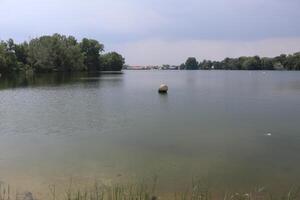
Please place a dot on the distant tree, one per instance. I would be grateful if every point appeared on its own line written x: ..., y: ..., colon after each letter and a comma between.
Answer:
x: 267, y: 64
x: 3, y: 65
x: 10, y: 44
x: 165, y: 66
x: 21, y: 51
x: 206, y: 64
x: 182, y: 66
x: 55, y: 53
x: 293, y: 62
x: 91, y: 50
x: 251, y: 63
x: 191, y: 64
x: 112, y: 62
x: 217, y: 65
x: 280, y: 59
x: 230, y: 64
x: 8, y: 59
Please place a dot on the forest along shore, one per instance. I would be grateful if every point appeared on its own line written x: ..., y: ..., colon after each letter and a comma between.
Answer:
x: 57, y: 53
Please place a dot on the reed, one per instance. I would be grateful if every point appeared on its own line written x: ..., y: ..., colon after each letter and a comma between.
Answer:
x: 148, y: 191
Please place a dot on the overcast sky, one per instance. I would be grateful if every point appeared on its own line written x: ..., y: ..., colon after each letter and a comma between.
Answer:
x: 150, y: 32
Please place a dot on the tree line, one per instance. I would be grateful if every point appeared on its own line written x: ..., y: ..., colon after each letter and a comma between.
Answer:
x: 282, y: 62
x: 57, y: 53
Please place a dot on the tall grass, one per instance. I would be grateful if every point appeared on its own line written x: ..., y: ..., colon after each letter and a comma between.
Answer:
x: 4, y: 192
x: 143, y: 191
x: 139, y: 191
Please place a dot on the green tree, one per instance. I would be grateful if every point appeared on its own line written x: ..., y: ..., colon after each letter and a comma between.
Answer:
x: 91, y: 50
x: 21, y: 51
x: 267, y: 64
x: 206, y: 64
x: 55, y: 53
x: 3, y: 64
x: 293, y: 62
x: 252, y: 63
x: 112, y: 62
x: 182, y: 66
x: 191, y: 64
x: 8, y: 59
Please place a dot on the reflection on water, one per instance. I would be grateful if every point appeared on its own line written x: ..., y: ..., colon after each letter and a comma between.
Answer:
x: 211, y: 124
x: 54, y: 79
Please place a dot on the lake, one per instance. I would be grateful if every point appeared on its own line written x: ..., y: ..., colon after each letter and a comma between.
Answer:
x: 232, y: 129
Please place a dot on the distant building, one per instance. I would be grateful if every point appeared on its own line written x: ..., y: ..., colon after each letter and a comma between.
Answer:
x: 163, y: 67
x: 173, y: 68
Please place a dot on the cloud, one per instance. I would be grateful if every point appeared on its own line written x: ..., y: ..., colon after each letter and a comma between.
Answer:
x: 157, y: 52
x: 210, y: 29
x: 123, y: 20
x: 99, y: 18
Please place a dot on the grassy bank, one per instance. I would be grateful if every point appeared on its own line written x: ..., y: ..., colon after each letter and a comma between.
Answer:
x: 143, y: 191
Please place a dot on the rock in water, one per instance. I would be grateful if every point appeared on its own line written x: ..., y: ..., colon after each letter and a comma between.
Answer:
x: 163, y: 88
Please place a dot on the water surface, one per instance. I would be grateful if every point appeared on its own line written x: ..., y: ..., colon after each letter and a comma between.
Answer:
x: 234, y: 129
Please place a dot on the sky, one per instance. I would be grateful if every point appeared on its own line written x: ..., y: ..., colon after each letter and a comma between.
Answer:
x: 155, y: 32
